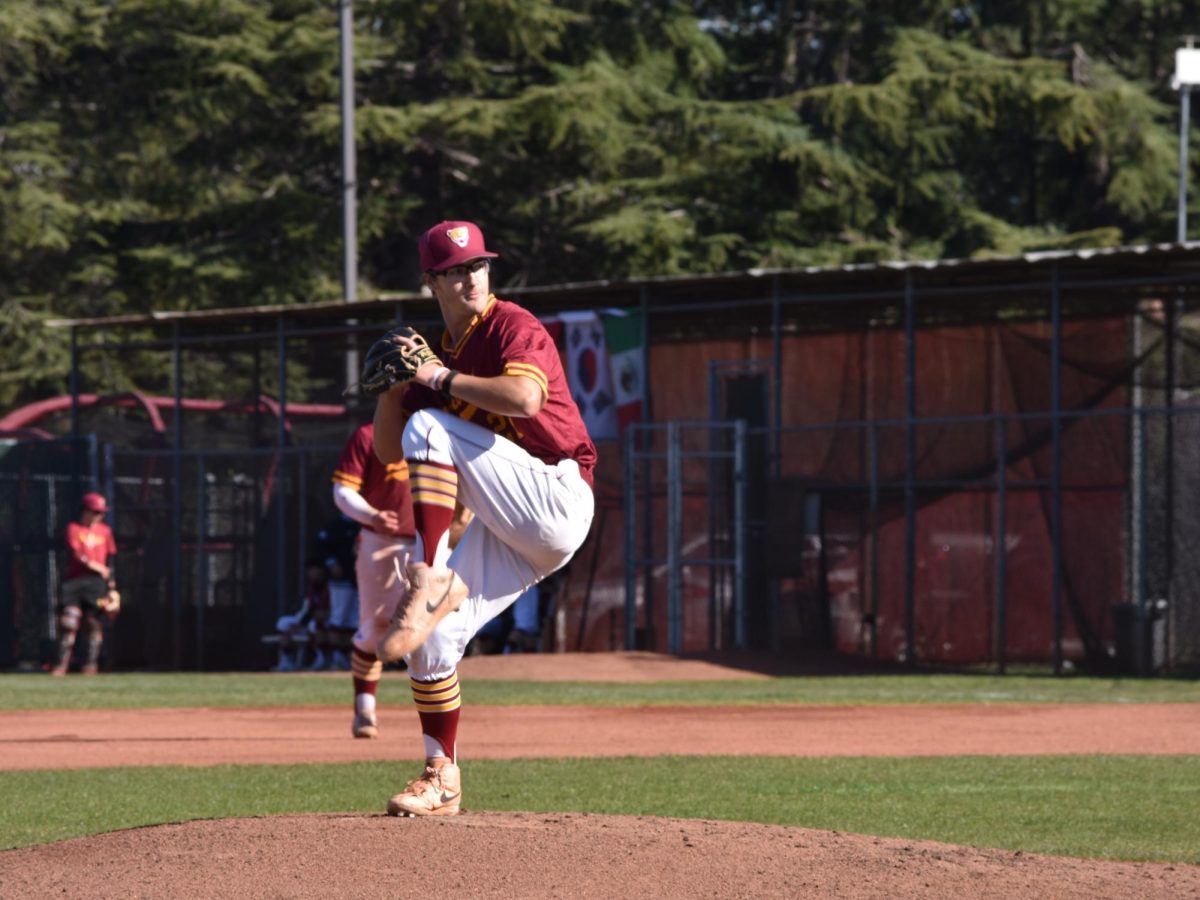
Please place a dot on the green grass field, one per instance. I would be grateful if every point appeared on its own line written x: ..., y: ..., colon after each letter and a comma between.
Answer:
x: 1120, y: 807
x: 138, y: 690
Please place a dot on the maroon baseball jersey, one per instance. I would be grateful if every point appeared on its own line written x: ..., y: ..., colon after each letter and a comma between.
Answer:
x: 506, y: 339
x: 93, y: 544
x: 383, y: 486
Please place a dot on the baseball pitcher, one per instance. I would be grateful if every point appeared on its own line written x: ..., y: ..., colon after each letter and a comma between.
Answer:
x: 495, y: 427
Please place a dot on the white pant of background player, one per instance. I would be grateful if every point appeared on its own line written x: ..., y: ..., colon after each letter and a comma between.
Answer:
x: 530, y: 518
x: 379, y: 586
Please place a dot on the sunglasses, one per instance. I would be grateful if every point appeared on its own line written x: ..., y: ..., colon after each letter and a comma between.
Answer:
x: 465, y: 271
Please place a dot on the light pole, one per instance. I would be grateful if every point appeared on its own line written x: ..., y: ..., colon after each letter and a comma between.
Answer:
x: 1187, y: 73
x: 349, y: 180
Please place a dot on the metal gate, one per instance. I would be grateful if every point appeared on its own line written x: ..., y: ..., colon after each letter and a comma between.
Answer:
x: 41, y: 482
x: 685, y: 510
x: 212, y: 548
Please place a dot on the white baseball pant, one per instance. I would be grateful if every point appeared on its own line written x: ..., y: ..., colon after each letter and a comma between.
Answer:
x: 379, y: 586
x: 530, y: 518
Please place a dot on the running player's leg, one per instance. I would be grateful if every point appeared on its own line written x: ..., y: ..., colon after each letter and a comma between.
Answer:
x: 379, y: 591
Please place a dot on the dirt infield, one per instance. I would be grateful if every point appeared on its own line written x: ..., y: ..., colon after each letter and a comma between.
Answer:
x: 202, y: 737
x: 570, y: 855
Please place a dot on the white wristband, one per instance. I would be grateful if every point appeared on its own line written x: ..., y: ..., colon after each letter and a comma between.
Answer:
x: 436, y: 381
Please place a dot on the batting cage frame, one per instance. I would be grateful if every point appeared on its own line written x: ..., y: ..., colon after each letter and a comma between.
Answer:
x: 957, y: 462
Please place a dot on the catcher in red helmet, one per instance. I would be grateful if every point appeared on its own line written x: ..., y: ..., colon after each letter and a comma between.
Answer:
x: 89, y: 591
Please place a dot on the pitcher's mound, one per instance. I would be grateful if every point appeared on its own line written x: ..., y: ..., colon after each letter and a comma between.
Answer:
x: 507, y: 855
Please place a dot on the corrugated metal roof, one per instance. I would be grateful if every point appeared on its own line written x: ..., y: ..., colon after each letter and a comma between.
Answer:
x: 860, y: 280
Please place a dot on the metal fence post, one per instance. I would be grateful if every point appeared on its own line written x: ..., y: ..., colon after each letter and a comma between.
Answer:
x: 301, y: 516
x: 281, y: 475
x: 1000, y: 543
x: 674, y: 541
x: 630, y: 541
x: 1056, y: 466
x: 739, y: 534
x: 651, y: 641
x: 910, y: 466
x: 176, y: 494
x: 872, y: 617
x: 715, y: 438
x: 73, y: 382
x: 201, y: 557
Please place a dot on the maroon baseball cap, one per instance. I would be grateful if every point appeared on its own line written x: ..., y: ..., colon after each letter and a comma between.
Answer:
x: 95, y: 502
x: 449, y: 244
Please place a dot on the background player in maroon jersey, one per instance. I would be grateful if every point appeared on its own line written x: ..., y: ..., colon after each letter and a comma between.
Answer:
x: 87, y: 581
x: 377, y: 497
x: 496, y: 427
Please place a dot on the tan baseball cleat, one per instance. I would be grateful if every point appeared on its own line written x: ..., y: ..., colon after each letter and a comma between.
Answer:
x: 365, y: 725
x: 438, y: 792
x: 433, y: 593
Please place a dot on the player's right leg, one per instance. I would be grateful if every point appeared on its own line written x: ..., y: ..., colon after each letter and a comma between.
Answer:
x: 433, y: 673
x: 69, y: 619
x: 437, y: 791
x: 94, y: 642
x: 435, y: 592
x: 541, y: 523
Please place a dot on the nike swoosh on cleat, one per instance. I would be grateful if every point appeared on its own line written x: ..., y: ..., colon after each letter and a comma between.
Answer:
x: 430, y: 606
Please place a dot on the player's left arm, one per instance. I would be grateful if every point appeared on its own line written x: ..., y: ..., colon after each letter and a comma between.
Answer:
x: 519, y: 391
x: 390, y: 419
x: 512, y: 394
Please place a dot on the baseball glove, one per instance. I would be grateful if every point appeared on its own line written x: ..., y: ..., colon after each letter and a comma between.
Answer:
x: 110, y: 603
x: 388, y: 363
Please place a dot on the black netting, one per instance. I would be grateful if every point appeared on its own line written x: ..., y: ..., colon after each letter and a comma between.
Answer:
x: 40, y: 486
x: 208, y: 566
x: 213, y: 537
x: 839, y: 467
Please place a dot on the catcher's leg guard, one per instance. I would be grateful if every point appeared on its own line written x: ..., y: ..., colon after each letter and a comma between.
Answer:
x: 434, y: 593
x: 95, y: 640
x: 68, y: 628
x: 437, y: 792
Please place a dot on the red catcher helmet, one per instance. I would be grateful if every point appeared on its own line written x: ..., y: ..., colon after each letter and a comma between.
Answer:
x: 95, y: 502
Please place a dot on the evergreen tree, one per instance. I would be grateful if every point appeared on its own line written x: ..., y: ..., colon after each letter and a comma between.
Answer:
x: 184, y: 154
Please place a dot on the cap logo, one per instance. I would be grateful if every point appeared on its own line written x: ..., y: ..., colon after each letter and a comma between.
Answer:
x: 459, y: 235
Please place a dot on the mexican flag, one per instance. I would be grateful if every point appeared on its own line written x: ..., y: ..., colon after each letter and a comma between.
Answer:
x: 623, y: 334
x: 604, y: 369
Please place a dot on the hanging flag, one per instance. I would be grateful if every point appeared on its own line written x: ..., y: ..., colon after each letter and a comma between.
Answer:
x: 623, y: 335
x: 554, y: 327
x: 588, y: 373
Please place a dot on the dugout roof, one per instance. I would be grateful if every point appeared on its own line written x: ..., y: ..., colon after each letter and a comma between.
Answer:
x: 851, y: 297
